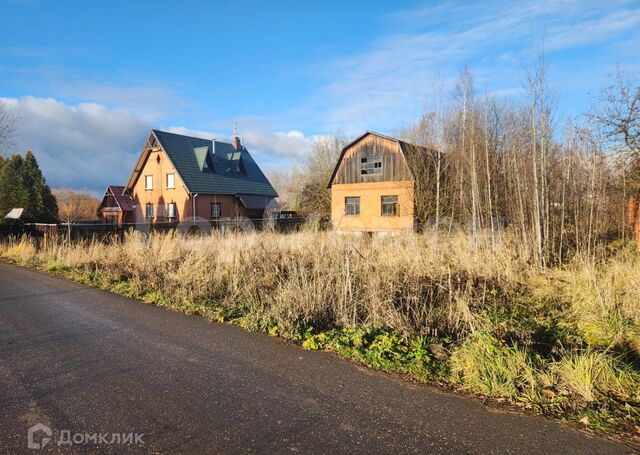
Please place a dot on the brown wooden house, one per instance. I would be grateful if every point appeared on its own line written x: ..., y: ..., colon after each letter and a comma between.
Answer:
x: 179, y: 177
x: 373, y: 185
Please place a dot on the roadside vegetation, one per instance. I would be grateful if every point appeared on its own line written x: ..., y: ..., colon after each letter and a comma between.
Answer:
x: 476, y: 316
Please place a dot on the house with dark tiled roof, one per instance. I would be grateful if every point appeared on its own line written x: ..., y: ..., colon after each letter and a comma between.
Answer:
x: 179, y: 177
x: 116, y: 207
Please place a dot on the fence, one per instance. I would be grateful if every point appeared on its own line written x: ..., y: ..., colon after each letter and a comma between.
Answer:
x: 104, y: 232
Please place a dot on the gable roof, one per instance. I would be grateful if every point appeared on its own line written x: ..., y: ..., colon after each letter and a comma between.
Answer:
x: 231, y: 171
x: 123, y: 200
x: 406, y: 148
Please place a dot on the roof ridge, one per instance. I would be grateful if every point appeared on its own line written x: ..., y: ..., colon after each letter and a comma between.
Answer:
x: 377, y: 134
x: 184, y: 135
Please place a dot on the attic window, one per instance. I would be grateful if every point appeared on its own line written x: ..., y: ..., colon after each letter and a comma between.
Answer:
x: 371, y: 165
x: 236, y: 164
x: 203, y: 158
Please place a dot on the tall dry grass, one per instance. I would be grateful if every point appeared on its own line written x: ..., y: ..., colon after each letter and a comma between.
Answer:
x: 512, y: 329
x: 413, y: 284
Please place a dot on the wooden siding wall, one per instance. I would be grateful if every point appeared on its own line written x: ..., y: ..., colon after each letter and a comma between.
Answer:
x: 394, y: 165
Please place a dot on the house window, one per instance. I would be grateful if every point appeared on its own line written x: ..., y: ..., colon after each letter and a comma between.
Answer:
x: 371, y: 165
x: 352, y: 205
x: 171, y: 180
x: 216, y: 209
x: 148, y: 182
x: 149, y: 212
x: 389, y: 205
x: 172, y: 210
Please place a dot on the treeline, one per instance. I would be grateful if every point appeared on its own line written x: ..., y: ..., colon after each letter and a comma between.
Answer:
x: 506, y: 167
x: 22, y: 185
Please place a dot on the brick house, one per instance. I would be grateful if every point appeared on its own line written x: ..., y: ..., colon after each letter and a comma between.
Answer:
x: 373, y: 185
x: 179, y: 177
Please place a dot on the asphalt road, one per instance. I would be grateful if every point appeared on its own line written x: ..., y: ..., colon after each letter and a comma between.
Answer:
x: 84, y: 361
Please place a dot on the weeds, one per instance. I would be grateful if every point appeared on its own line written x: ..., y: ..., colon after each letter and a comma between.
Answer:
x: 487, y: 366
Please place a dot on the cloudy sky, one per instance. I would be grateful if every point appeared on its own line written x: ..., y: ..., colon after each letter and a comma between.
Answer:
x: 88, y: 80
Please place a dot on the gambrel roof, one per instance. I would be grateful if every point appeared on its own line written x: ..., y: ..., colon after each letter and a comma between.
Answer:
x: 408, y: 150
x: 207, y: 166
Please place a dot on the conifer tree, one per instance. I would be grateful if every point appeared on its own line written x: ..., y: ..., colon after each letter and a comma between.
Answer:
x: 23, y: 185
x: 11, y: 184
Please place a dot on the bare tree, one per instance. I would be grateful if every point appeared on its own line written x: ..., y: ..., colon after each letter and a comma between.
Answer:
x: 619, y: 113
x: 316, y: 197
x: 7, y: 127
x: 501, y: 167
x: 289, y: 185
x: 617, y: 118
x: 75, y: 205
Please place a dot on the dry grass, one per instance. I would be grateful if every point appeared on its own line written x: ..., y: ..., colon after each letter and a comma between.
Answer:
x: 564, y: 338
x: 414, y: 285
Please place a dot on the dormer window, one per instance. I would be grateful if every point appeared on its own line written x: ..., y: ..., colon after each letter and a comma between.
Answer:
x: 236, y: 164
x: 204, y: 158
x: 371, y: 165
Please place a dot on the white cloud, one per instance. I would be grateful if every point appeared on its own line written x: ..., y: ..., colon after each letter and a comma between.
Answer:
x: 388, y: 84
x: 86, y: 145
x: 269, y: 149
x: 293, y: 145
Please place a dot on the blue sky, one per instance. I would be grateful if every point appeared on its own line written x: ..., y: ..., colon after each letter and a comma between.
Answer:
x: 89, y: 79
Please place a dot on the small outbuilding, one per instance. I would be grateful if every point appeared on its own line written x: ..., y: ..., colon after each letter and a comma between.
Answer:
x: 19, y: 215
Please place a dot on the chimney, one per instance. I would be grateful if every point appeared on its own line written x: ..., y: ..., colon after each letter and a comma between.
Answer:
x: 236, y: 143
